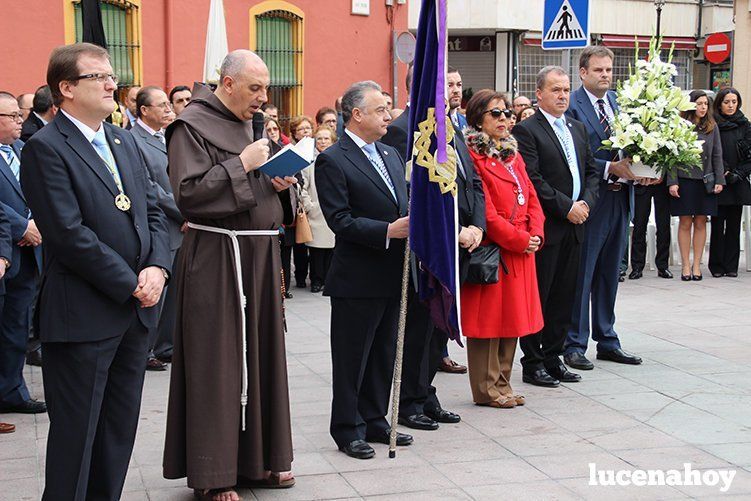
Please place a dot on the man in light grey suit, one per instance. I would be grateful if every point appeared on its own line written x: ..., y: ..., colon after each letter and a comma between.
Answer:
x: 153, y: 115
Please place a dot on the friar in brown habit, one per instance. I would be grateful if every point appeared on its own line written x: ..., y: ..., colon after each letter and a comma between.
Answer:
x: 228, y: 422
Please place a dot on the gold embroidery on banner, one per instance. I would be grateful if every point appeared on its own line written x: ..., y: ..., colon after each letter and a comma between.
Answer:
x: 442, y: 173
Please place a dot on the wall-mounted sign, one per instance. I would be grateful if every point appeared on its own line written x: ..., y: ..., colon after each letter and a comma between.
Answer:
x: 361, y: 7
x: 405, y: 47
x: 471, y: 44
x: 717, y: 48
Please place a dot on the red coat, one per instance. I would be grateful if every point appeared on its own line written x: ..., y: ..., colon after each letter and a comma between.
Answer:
x: 511, y: 307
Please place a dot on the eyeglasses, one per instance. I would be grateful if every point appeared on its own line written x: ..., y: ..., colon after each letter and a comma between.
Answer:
x: 304, y: 128
x: 13, y: 116
x: 497, y: 112
x: 98, y: 77
x: 164, y: 106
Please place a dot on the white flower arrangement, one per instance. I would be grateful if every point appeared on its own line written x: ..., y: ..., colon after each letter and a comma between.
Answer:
x: 649, y: 127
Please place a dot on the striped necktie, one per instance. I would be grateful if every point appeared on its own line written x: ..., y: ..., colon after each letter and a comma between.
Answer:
x: 564, y: 135
x: 377, y: 161
x: 12, y: 160
x: 605, y: 122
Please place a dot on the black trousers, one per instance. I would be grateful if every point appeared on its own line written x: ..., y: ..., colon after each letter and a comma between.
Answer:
x: 160, y: 338
x: 725, y: 241
x: 300, y: 254
x: 642, y: 208
x: 423, y: 350
x: 363, y: 344
x: 93, y: 394
x: 320, y: 260
x: 557, y: 272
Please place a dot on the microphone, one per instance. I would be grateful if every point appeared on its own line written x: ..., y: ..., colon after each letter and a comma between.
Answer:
x: 258, y: 130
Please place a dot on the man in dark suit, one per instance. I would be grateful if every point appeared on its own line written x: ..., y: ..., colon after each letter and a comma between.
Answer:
x: 424, y: 345
x: 606, y: 229
x: 106, y: 261
x: 363, y: 195
x: 563, y: 171
x: 42, y: 113
x: 6, y: 251
x: 153, y: 110
x: 130, y: 107
x: 22, y: 278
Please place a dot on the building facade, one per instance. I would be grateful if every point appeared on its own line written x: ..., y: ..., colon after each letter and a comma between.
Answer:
x: 497, y: 44
x: 314, y: 48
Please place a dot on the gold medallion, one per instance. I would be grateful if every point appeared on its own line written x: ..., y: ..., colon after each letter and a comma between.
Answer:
x: 122, y: 202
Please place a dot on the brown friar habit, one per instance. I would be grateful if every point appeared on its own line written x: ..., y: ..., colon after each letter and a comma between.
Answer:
x: 204, y: 439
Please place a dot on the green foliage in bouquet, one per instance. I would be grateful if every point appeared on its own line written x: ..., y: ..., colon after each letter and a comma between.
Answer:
x: 649, y: 127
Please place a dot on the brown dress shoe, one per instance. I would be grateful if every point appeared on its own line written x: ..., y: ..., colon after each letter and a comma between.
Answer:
x: 7, y: 428
x: 448, y: 365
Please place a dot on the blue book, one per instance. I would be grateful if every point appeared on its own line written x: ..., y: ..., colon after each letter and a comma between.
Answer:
x: 291, y: 159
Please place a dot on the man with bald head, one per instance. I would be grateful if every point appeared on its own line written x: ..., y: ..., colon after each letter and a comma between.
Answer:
x: 520, y: 103
x: 228, y: 421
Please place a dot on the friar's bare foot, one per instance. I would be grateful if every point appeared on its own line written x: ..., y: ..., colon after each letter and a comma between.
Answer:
x: 223, y: 494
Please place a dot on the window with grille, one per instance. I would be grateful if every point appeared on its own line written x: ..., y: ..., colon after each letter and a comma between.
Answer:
x: 123, y: 39
x: 279, y: 43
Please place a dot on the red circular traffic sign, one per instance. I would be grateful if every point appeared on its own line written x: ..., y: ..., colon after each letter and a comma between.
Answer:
x: 717, y: 47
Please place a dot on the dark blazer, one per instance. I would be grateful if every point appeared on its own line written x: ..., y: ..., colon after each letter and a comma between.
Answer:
x: 581, y: 109
x: 396, y: 134
x: 16, y: 209
x: 155, y: 155
x: 6, y: 244
x: 548, y: 169
x: 93, y: 251
x: 30, y: 126
x: 358, y: 208
x: 739, y: 192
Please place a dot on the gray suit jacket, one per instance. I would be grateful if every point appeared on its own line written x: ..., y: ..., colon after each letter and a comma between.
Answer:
x: 155, y: 154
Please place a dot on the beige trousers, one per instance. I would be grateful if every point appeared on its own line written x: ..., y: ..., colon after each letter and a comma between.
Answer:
x: 490, y: 362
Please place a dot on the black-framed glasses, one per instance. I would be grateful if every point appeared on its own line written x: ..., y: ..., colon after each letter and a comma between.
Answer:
x: 13, y: 116
x: 97, y: 77
x: 497, y: 112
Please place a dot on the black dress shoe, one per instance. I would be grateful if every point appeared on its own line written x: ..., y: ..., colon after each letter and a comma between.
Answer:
x: 358, y: 449
x: 300, y: 285
x: 621, y: 278
x: 154, y: 364
x: 443, y: 416
x: 540, y: 377
x: 30, y: 406
x: 664, y: 273
x: 562, y: 374
x: 288, y: 295
x: 635, y: 275
x: 418, y: 422
x: 619, y: 356
x: 34, y: 358
x: 316, y: 288
x: 732, y: 274
x: 402, y: 439
x: 718, y: 274
x: 578, y: 361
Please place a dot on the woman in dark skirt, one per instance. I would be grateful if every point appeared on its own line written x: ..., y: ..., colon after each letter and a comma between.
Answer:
x: 735, y: 135
x: 690, y: 199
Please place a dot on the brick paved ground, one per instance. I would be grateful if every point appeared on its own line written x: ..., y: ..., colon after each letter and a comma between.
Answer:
x: 689, y: 402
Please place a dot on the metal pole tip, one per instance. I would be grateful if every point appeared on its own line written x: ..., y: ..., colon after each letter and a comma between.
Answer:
x: 392, y: 454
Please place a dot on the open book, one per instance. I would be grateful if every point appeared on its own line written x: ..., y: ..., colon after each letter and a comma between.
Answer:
x: 291, y: 159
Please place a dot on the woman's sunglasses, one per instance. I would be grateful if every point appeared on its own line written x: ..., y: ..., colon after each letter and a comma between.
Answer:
x: 497, y: 112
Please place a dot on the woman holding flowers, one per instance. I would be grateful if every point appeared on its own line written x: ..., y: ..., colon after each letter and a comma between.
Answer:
x: 735, y: 136
x: 495, y: 315
x: 694, y: 190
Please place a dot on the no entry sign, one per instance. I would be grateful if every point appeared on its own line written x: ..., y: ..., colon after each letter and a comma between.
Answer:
x: 717, y: 48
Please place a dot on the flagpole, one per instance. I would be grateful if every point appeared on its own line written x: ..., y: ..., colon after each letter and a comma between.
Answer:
x: 397, y: 386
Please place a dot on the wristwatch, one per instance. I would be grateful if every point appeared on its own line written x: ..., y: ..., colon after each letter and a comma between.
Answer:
x: 165, y: 274
x: 7, y: 263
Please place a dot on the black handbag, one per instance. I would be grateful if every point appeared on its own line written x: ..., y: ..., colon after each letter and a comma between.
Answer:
x: 709, y: 182
x: 484, y: 262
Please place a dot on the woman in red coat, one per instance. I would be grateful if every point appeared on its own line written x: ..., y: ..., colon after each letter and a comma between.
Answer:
x: 495, y: 315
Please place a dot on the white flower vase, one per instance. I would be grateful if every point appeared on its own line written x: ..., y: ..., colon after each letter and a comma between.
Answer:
x: 641, y: 170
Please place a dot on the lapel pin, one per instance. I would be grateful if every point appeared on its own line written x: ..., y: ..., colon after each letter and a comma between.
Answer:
x: 386, y: 153
x: 117, y: 141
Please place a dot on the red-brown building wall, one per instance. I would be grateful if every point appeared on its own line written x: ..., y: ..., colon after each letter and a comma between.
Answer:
x: 339, y: 48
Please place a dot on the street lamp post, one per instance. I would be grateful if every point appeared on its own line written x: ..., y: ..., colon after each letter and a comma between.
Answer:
x: 659, y: 4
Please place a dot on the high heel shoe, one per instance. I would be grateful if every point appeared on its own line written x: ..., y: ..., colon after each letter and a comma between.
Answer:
x: 686, y: 278
x: 696, y: 278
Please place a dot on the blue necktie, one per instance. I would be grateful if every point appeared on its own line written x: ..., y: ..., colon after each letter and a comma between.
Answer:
x: 377, y: 161
x: 102, y: 148
x: 12, y: 160
x: 564, y: 136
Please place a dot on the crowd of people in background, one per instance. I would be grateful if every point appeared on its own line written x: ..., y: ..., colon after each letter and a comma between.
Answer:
x: 534, y: 183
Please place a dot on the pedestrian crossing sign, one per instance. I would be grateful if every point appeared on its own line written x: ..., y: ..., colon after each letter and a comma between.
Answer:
x: 565, y: 24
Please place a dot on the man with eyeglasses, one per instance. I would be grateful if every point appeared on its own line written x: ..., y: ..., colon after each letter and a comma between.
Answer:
x: 154, y: 115
x: 106, y: 262
x: 22, y: 278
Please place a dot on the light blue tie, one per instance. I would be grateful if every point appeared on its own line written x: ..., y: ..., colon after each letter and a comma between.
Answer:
x: 102, y: 148
x: 12, y: 160
x: 377, y: 161
x: 564, y: 136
